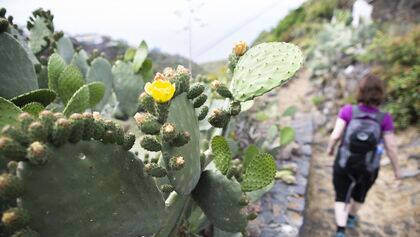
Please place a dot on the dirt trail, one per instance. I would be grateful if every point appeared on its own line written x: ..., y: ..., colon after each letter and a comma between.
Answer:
x: 392, y: 207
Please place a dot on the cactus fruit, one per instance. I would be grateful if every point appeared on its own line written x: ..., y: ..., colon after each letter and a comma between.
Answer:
x: 148, y: 123
x: 4, y: 25
x: 263, y: 68
x: 11, y: 186
x: 218, y: 118
x: 19, y: 67
x: 199, y: 101
x: 195, y: 90
x: 203, y: 112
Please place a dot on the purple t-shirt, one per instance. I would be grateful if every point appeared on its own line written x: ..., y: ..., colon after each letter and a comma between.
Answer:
x: 387, y: 125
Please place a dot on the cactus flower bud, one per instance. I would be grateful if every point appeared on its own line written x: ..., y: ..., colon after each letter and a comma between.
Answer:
x: 61, y: 131
x: 240, y: 48
x: 129, y: 140
x: 4, y: 25
x: 182, y: 70
x: 37, y: 153
x: 252, y: 216
x: 168, y: 132
x: 11, y: 186
x: 203, y: 113
x: 147, y: 103
x: 161, y: 91
x: 159, y: 76
x: 167, y: 188
x: 150, y: 143
x: 200, y: 100
x: 195, y: 91
x: 11, y: 149
x: 169, y: 73
x: 147, y: 123
x: 15, y: 218
x: 218, y: 118
x: 181, y: 139
x: 177, y: 162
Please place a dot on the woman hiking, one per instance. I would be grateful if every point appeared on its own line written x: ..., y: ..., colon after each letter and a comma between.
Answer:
x: 360, y: 129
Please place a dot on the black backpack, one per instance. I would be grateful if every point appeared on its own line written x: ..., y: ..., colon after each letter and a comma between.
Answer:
x: 357, y: 153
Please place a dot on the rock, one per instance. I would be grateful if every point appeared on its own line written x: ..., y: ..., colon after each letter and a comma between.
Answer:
x: 295, y: 218
x: 296, y: 204
x: 409, y: 173
x: 319, y: 119
x: 306, y: 150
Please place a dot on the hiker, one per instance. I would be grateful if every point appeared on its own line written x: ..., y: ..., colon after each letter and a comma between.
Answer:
x: 360, y: 128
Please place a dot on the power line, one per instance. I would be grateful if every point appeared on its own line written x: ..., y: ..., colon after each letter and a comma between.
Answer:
x: 236, y: 29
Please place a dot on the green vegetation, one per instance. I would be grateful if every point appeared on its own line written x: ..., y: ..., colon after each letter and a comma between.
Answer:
x: 78, y: 174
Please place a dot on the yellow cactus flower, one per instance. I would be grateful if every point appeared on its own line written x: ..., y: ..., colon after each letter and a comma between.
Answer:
x: 240, y: 48
x: 161, y: 90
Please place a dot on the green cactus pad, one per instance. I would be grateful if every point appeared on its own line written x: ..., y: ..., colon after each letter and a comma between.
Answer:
x: 9, y: 112
x: 33, y: 108
x: 264, y: 67
x: 108, y: 195
x: 70, y: 80
x: 79, y: 102
x: 38, y: 33
x: 222, y: 155
x: 127, y: 86
x: 65, y: 49
x: 41, y: 96
x: 287, y: 135
x: 219, y: 199
x: 129, y: 54
x: 17, y: 74
x: 56, y: 65
x: 96, y: 92
x: 140, y: 56
x: 259, y: 173
x: 182, y: 115
x: 176, y: 205
x: 146, y: 70
x: 80, y: 60
x: 101, y: 70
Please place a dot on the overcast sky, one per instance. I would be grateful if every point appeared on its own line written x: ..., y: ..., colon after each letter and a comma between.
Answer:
x: 216, y: 24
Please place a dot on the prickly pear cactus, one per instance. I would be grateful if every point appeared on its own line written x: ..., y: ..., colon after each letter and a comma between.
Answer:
x: 75, y: 177
x: 101, y: 70
x: 9, y: 112
x: 17, y: 75
x: 264, y: 67
x: 41, y: 30
x: 220, y: 200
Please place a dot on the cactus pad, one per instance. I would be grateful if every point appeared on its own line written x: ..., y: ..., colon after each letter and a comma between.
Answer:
x: 264, y: 67
x: 219, y: 199
x: 182, y: 114
x: 127, y: 86
x: 96, y: 93
x: 65, y: 49
x: 33, y: 108
x: 91, y: 189
x: 222, y: 155
x: 101, y: 70
x: 140, y: 56
x: 9, y: 112
x: 70, y: 80
x: 79, y: 102
x: 259, y: 173
x: 80, y: 60
x: 56, y: 65
x: 42, y: 96
x: 37, y: 34
x: 17, y: 74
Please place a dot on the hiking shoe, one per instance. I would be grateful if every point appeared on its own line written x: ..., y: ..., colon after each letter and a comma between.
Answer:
x: 340, y: 234
x: 352, y: 222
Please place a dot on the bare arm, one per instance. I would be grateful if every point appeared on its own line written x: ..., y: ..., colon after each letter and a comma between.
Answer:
x: 336, y: 135
x: 392, y: 150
